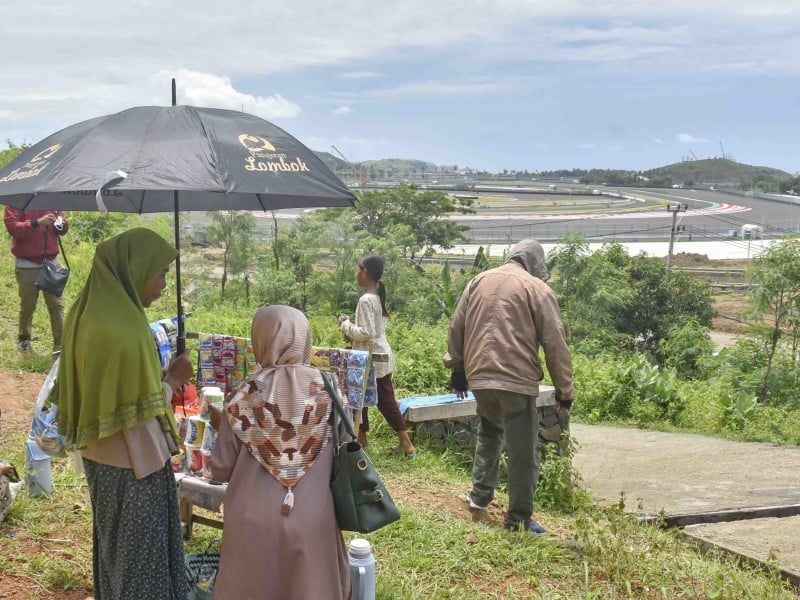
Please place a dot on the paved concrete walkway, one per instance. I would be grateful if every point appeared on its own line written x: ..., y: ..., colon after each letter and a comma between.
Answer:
x: 685, y: 474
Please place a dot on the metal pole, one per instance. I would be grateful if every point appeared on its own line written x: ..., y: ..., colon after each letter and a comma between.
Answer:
x: 181, y: 341
x: 674, y: 209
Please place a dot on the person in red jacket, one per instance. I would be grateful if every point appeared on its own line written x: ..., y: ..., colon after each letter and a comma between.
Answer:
x: 33, y: 242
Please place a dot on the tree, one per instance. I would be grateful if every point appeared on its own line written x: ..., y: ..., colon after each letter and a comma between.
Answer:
x: 10, y: 153
x: 235, y: 232
x: 661, y: 300
x: 417, y: 220
x: 592, y: 288
x: 775, y: 294
x: 303, y: 249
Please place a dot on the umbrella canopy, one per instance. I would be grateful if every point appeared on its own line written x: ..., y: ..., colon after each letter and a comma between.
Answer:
x: 216, y: 159
x: 170, y: 159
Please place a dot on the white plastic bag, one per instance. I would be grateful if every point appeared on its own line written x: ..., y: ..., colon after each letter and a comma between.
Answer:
x: 43, y: 426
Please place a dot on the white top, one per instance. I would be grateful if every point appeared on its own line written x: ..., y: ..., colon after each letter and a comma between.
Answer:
x: 369, y: 332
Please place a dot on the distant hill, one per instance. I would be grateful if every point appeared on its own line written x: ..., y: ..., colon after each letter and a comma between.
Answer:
x: 721, y: 172
x: 716, y: 171
x: 383, y: 168
x: 333, y: 163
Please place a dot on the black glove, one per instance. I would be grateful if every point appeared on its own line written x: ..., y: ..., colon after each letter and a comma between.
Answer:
x: 458, y: 382
x: 563, y: 403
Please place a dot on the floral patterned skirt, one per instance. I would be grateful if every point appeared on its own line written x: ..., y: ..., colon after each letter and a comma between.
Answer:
x: 138, y: 546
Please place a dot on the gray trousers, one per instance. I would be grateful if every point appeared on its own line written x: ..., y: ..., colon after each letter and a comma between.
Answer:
x: 28, y: 297
x: 514, y: 417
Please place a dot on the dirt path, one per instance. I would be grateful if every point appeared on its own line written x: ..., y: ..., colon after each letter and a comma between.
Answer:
x: 18, y: 391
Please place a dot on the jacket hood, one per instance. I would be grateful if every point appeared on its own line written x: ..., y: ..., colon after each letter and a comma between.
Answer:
x: 529, y: 254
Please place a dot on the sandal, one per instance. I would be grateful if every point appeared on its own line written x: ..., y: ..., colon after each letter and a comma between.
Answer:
x: 398, y: 450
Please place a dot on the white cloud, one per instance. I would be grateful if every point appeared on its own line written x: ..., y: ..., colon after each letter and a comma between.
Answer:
x: 657, y: 140
x: 690, y: 139
x: 430, y: 88
x: 360, y: 75
x: 207, y: 89
x: 342, y: 110
x: 586, y: 146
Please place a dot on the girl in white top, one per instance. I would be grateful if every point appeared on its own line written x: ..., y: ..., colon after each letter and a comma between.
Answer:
x: 369, y: 333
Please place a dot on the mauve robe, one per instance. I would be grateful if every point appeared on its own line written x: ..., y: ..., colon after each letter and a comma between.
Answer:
x: 266, y: 554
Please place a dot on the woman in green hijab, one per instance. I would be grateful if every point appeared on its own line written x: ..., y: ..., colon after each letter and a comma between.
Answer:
x: 114, y: 407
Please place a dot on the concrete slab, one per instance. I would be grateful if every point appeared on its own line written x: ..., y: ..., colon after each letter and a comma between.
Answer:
x: 464, y: 408
x: 755, y: 540
x: 684, y: 473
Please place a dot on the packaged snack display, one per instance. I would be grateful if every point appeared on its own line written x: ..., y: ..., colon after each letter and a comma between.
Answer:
x: 354, y: 373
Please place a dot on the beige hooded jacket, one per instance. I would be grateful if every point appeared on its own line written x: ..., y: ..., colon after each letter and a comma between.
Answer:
x: 503, y: 317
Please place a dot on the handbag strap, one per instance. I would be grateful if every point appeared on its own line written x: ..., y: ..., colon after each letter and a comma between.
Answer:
x: 338, y: 411
x: 60, y: 245
x: 64, y: 254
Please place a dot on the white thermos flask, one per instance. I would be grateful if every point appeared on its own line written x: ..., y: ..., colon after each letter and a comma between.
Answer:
x: 362, y: 569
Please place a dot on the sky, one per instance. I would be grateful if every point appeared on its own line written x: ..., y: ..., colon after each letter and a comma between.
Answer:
x: 491, y: 85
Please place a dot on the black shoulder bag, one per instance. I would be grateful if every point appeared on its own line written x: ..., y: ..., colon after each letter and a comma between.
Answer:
x: 360, y: 499
x: 53, y: 279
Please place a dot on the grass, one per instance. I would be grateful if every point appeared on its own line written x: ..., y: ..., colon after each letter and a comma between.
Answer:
x: 435, y: 551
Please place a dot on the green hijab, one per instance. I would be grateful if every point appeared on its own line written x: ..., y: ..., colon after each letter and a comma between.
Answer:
x: 109, y: 378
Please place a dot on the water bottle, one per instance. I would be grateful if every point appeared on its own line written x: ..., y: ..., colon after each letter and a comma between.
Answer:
x: 362, y: 569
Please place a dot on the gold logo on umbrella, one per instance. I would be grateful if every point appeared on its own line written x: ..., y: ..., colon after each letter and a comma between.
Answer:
x: 256, y: 144
x: 46, y: 153
x: 34, y: 166
x: 264, y: 156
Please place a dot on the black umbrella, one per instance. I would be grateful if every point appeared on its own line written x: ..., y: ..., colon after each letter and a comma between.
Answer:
x: 160, y: 159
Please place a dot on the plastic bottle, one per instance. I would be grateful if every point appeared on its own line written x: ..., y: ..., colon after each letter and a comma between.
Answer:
x: 362, y: 569
x: 37, y: 470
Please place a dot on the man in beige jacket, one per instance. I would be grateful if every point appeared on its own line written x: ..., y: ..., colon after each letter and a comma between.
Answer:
x: 502, y: 319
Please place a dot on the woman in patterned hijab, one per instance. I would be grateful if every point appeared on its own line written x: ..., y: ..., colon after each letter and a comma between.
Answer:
x: 278, y: 491
x: 281, y: 413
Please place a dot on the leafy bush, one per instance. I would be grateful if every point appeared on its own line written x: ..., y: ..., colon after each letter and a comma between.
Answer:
x: 560, y: 485
x: 418, y: 352
x: 737, y: 410
x: 627, y: 389
x: 94, y: 228
x: 687, y: 348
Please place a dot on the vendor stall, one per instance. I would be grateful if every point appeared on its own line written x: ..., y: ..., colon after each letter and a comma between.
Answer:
x: 224, y: 362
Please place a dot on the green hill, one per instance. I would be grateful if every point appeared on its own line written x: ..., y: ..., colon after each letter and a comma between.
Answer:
x: 386, y: 168
x: 717, y: 171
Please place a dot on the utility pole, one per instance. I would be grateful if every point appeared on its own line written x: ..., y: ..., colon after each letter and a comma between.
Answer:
x: 674, y: 209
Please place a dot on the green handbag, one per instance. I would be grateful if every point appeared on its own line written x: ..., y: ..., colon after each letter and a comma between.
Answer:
x: 360, y: 499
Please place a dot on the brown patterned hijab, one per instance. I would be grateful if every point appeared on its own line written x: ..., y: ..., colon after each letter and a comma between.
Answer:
x: 281, y: 412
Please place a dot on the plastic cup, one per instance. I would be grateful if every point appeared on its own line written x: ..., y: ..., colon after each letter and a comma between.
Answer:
x: 209, y: 438
x: 212, y: 396
x: 194, y: 459
x: 179, y: 462
x: 194, y: 431
x: 205, y: 455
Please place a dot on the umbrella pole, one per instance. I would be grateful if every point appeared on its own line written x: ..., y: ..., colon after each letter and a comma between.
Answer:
x: 181, y: 341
